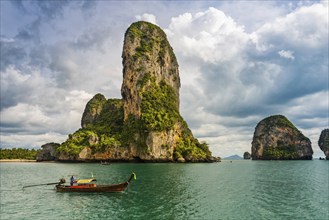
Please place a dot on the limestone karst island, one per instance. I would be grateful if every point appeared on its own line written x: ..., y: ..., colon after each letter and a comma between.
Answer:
x: 145, y: 125
x: 276, y: 138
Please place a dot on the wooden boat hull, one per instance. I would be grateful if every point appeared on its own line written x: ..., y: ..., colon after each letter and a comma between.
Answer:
x: 93, y: 188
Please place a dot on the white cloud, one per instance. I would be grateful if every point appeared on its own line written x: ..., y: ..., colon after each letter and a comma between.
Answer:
x: 12, y: 75
x: 209, y: 36
x: 302, y: 29
x: 6, y: 40
x: 286, y: 54
x: 28, y: 116
x: 325, y: 3
x: 30, y: 140
x: 311, y: 107
x: 39, y: 118
x: 147, y: 17
x: 253, y: 14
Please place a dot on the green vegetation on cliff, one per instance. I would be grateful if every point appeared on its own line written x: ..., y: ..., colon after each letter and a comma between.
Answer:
x: 159, y: 112
x: 75, y: 143
x: 103, y: 116
x: 280, y: 152
x: 110, y: 120
x: 101, y: 131
x: 158, y: 106
x: 98, y: 142
x: 190, y: 149
x: 281, y: 121
x: 278, y: 121
x: 150, y: 37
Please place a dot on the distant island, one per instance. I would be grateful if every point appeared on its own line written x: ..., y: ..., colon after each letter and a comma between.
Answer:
x: 233, y: 157
x: 145, y: 125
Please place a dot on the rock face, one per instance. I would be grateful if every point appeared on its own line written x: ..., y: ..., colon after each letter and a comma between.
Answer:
x: 246, y: 155
x: 150, y: 92
x: 102, y: 115
x: 145, y: 125
x: 324, y: 142
x: 99, y: 137
x: 276, y: 138
x: 48, y: 152
x: 93, y: 110
x: 147, y: 59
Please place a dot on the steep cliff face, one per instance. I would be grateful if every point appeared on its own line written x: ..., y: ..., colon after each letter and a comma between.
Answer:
x: 145, y: 124
x: 276, y: 138
x: 93, y: 110
x: 154, y: 128
x: 324, y: 142
x: 104, y: 116
x: 100, y: 135
x: 146, y: 55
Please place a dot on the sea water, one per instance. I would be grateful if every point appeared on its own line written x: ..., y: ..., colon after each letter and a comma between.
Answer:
x: 227, y: 190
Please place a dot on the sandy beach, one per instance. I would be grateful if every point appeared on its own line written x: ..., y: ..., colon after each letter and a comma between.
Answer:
x: 17, y: 160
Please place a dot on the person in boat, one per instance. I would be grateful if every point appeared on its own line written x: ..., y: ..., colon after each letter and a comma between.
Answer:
x: 72, y: 180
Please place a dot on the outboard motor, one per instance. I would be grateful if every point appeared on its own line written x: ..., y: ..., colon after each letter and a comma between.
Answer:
x: 61, y: 181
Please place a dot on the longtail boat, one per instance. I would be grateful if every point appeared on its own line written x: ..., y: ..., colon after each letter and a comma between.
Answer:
x: 87, y: 186
x: 105, y: 163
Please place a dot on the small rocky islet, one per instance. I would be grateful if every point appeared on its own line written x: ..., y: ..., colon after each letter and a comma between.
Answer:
x: 276, y: 138
x: 146, y: 125
x: 246, y: 155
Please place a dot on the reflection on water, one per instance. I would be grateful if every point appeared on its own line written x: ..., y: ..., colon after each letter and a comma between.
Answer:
x: 238, y: 190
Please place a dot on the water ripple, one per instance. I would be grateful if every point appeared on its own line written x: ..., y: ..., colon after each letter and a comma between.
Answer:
x: 239, y: 190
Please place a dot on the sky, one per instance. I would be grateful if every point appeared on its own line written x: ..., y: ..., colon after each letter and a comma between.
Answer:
x: 239, y: 62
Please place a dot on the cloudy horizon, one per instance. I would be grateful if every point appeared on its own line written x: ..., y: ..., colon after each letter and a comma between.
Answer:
x: 239, y: 62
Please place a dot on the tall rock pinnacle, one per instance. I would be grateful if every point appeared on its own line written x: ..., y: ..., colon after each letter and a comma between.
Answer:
x: 154, y: 129
x: 147, y: 55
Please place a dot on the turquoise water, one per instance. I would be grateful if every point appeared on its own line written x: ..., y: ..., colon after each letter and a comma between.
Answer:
x: 237, y: 190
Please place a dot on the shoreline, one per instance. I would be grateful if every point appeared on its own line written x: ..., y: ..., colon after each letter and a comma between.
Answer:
x: 52, y: 161
x: 16, y: 160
